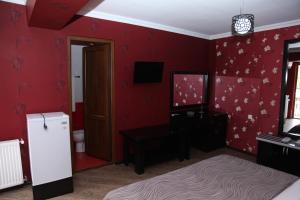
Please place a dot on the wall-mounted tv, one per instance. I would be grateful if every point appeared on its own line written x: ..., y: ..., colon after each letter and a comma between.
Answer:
x: 188, y: 90
x: 148, y: 72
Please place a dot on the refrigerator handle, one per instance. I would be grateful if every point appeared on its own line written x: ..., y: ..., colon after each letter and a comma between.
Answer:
x: 45, y: 125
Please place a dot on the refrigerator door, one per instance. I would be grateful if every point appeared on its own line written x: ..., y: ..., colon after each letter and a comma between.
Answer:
x: 49, y: 149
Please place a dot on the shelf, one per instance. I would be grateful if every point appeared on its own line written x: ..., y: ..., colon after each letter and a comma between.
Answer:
x: 277, y: 140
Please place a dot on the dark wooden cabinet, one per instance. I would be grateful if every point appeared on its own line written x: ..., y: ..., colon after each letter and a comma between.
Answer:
x: 206, y: 131
x: 154, y: 142
x: 273, y: 153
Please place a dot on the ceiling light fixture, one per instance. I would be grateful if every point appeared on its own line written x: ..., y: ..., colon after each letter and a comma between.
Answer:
x: 242, y: 24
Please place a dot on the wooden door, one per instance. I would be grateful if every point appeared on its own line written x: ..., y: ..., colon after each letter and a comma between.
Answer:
x: 97, y: 64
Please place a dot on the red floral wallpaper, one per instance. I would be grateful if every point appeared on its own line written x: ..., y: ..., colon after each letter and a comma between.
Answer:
x: 239, y: 97
x: 188, y: 89
x: 248, y: 83
x: 34, y: 76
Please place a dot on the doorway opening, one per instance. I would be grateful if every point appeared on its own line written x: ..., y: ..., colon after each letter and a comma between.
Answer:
x: 297, y: 94
x: 91, y: 105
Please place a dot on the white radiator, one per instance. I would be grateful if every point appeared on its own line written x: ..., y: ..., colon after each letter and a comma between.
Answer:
x: 11, y: 173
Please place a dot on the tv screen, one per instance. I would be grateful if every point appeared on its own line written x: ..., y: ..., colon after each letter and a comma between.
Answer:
x: 148, y: 72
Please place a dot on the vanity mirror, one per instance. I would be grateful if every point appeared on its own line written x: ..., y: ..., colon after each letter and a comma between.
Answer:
x: 189, y: 91
x: 289, y: 115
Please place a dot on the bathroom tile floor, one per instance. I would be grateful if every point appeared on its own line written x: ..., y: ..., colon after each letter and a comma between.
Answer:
x: 82, y: 161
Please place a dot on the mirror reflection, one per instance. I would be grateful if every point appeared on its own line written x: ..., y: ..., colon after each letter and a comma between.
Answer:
x: 188, y: 89
x: 292, y: 96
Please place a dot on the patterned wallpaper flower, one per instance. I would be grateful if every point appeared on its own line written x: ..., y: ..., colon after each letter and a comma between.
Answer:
x: 248, y: 84
x: 239, y: 97
x: 188, y: 89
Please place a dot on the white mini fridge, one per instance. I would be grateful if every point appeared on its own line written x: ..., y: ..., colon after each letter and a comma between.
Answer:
x: 50, y: 154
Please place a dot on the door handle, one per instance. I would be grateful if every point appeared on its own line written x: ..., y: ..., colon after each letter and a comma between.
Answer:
x: 284, y: 151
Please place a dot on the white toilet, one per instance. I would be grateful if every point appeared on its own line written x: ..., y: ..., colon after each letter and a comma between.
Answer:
x: 78, y: 137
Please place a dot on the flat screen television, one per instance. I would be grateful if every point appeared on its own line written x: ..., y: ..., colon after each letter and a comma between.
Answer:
x: 188, y: 90
x: 148, y: 72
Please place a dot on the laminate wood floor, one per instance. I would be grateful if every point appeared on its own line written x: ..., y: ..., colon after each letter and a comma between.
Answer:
x: 95, y: 183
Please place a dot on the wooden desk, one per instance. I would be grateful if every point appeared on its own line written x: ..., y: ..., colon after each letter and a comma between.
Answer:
x: 141, y: 137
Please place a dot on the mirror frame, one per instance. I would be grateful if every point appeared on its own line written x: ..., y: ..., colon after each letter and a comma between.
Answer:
x: 192, y: 106
x: 284, y: 83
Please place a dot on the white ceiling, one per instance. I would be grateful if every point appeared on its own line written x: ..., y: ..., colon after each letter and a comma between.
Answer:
x: 207, y: 19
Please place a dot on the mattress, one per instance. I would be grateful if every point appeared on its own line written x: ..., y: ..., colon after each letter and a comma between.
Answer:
x: 216, y: 178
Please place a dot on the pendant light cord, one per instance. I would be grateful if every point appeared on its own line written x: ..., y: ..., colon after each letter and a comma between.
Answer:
x: 242, y: 4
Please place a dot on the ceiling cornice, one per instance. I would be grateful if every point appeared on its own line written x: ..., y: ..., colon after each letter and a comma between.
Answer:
x: 127, y: 20
x: 117, y: 18
x: 260, y: 28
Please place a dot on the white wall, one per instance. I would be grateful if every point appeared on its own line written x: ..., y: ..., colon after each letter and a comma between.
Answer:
x: 76, y: 70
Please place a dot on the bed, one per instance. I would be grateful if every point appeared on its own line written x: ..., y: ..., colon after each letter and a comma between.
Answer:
x: 217, y: 178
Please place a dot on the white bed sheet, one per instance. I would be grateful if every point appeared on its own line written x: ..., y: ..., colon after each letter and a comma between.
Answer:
x: 221, y: 177
x: 290, y: 193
